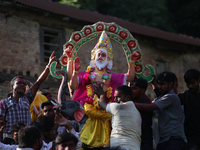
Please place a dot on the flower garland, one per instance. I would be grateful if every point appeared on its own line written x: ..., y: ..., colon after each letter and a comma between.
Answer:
x: 90, y: 78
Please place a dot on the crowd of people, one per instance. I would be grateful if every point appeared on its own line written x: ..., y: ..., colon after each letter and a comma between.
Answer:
x: 119, y: 114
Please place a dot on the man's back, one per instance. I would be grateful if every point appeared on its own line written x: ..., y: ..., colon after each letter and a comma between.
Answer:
x: 126, y: 124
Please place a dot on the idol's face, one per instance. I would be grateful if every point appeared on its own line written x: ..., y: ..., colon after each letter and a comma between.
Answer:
x: 100, y: 56
x: 101, y: 59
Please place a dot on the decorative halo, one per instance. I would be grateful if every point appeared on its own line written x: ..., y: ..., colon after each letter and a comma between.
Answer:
x: 115, y: 32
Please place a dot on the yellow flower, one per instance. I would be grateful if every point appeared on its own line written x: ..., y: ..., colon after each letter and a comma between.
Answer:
x: 109, y: 89
x: 89, y: 90
x: 88, y: 69
x: 109, y: 92
x: 96, y: 101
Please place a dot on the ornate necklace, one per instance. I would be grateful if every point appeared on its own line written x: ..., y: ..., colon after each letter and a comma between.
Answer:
x: 100, y: 73
x: 91, y: 75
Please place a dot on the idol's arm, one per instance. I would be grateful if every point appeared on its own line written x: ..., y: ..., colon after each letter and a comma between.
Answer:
x: 74, y: 79
x: 69, y: 69
x: 131, y: 69
x: 69, y: 63
x: 131, y: 72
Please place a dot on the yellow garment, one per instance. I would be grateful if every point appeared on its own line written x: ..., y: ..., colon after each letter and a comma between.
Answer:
x: 97, y: 129
x: 39, y: 98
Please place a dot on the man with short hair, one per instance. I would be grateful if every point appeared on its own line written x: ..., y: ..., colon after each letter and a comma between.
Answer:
x: 139, y: 87
x: 170, y: 116
x: 47, y: 122
x: 48, y: 108
x: 29, y: 138
x: 66, y: 141
x: 17, y: 107
x: 190, y: 100
x: 14, y: 131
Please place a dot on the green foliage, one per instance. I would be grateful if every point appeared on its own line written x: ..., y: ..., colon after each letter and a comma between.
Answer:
x: 68, y: 2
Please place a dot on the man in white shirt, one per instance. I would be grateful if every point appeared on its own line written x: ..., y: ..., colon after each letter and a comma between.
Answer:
x: 126, y: 119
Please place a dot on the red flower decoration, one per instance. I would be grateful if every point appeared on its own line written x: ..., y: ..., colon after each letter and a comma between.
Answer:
x: 87, y: 31
x: 70, y: 46
x: 139, y: 57
x: 76, y: 37
x: 64, y: 60
x: 89, y: 100
x: 131, y: 44
x: 123, y: 34
x: 100, y: 27
x: 138, y: 68
x: 112, y: 28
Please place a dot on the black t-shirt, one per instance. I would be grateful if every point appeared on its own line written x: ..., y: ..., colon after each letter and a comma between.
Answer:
x: 191, y: 104
x: 146, y: 128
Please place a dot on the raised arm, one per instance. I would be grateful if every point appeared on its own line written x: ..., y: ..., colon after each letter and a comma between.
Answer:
x: 74, y: 79
x: 69, y: 63
x: 131, y: 69
x: 155, y: 86
x: 69, y: 68
x: 62, y: 121
x: 146, y: 107
x: 43, y: 75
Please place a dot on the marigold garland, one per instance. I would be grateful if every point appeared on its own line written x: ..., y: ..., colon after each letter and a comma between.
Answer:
x: 89, y: 90
x: 90, y: 79
x: 88, y: 69
x: 96, y: 101
x: 109, y: 92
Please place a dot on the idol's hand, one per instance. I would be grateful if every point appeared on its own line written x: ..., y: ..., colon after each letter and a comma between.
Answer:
x: 135, y: 56
x: 77, y: 64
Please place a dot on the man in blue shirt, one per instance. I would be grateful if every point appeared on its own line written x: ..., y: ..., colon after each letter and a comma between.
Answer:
x: 170, y: 116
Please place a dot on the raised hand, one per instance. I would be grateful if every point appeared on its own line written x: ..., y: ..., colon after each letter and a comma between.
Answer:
x: 52, y: 58
x: 62, y: 121
x: 77, y: 64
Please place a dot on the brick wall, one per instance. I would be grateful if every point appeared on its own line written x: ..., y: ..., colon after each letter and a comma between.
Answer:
x: 20, y: 50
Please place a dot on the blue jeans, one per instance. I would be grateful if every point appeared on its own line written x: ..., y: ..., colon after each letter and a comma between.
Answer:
x: 172, y: 144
